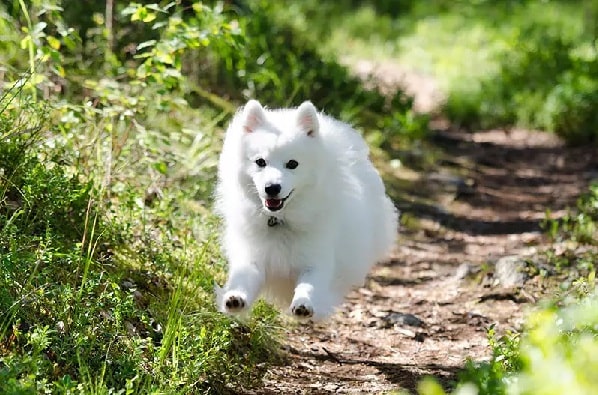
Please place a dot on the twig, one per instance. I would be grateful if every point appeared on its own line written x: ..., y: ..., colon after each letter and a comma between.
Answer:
x: 332, y: 356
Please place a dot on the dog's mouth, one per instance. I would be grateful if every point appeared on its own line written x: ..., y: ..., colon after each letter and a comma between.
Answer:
x: 276, y: 204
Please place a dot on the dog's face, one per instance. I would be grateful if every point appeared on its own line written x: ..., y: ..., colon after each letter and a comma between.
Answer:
x: 280, y: 162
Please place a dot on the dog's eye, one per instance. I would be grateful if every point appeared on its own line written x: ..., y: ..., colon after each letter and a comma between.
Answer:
x: 292, y: 164
x: 260, y: 162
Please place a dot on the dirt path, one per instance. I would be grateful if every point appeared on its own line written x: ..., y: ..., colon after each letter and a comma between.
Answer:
x: 427, y: 310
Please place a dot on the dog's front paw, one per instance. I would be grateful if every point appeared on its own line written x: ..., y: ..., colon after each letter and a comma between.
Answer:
x: 234, y: 302
x: 302, y: 309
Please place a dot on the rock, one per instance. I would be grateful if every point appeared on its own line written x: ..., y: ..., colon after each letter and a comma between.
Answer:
x: 466, y: 270
x: 131, y: 330
x: 406, y: 332
x: 509, y: 271
x: 127, y: 284
x: 396, y: 318
x: 452, y: 183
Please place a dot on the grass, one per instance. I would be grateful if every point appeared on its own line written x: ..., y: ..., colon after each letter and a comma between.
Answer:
x: 106, y: 286
x: 575, y: 234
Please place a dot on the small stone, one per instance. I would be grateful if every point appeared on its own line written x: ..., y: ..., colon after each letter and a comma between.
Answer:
x: 127, y: 284
x: 509, y: 271
x: 465, y: 270
x: 420, y: 337
x: 397, y: 318
x: 131, y: 330
x: 406, y: 332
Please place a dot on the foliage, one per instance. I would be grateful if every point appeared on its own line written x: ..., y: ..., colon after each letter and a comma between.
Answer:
x: 28, y: 185
x: 101, y: 291
x: 536, y: 69
x: 490, y: 377
x: 283, y: 67
x: 545, y: 80
x: 576, y: 234
x: 556, y: 354
x: 532, y: 63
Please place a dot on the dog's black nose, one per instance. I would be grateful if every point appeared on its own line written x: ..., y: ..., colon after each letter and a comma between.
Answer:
x: 272, y: 189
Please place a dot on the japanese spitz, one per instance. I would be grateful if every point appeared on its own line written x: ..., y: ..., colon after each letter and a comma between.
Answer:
x: 305, y: 212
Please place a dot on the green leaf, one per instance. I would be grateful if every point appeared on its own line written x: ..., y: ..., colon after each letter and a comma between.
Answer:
x: 161, y: 167
x: 149, y: 17
x: 142, y: 14
x: 53, y: 42
x: 60, y: 71
x: 145, y: 44
x: 69, y: 42
x: 25, y: 42
x: 164, y: 57
x: 429, y: 386
x: 198, y: 7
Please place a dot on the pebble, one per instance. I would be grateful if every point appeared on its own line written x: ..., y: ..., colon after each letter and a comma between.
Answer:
x: 397, y: 318
x: 509, y: 271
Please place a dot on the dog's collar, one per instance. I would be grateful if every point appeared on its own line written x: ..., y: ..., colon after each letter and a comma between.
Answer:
x: 273, y: 221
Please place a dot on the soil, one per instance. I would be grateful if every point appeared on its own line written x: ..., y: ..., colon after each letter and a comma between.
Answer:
x: 427, y: 309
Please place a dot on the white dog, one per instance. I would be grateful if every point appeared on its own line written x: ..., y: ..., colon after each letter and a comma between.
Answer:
x: 305, y: 211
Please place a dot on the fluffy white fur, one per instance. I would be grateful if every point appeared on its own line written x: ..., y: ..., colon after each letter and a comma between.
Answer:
x: 335, y: 223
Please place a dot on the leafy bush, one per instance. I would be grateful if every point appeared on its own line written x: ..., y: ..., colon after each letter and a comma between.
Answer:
x: 107, y: 250
x: 546, y: 78
x: 281, y: 67
x: 101, y: 290
x: 500, y: 63
x: 569, y: 109
x: 506, y: 360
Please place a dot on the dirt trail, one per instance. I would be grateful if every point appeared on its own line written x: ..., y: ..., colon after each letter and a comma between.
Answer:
x: 427, y: 309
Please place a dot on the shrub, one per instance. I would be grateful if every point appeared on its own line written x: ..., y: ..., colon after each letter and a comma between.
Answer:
x: 570, y: 106
x: 546, y: 79
x: 281, y: 67
x: 102, y: 290
x: 107, y: 251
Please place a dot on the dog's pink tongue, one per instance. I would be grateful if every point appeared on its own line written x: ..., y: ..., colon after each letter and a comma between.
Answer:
x: 273, y: 203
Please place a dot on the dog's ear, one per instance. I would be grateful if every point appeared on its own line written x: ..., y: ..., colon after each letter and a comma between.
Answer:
x: 307, y: 118
x: 253, y: 116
